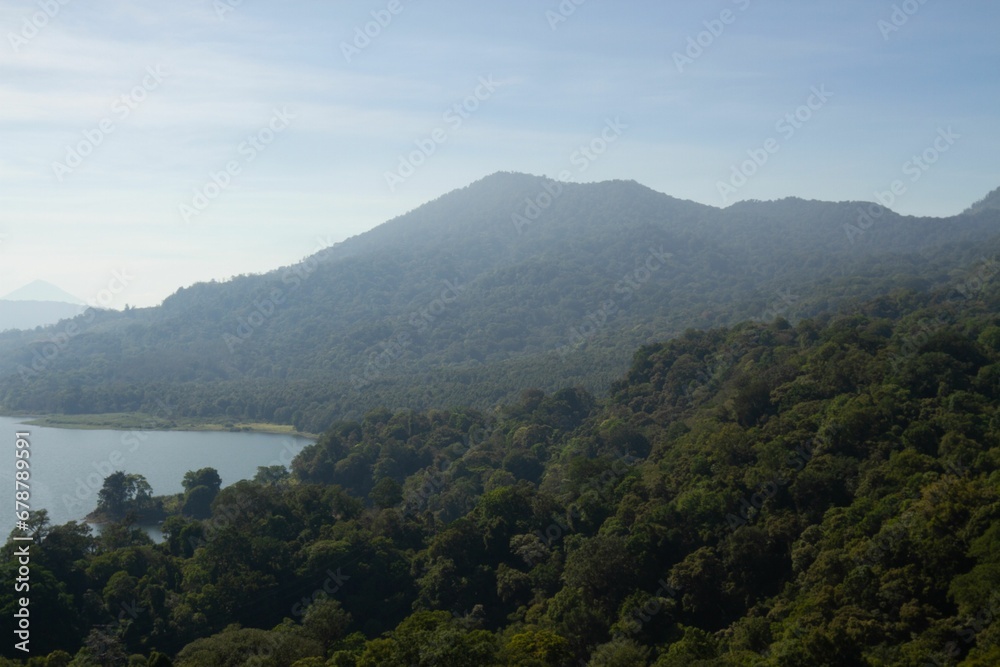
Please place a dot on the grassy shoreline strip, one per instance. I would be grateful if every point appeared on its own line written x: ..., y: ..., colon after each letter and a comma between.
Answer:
x: 138, y: 421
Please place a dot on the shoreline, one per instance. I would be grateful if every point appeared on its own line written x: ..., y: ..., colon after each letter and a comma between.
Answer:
x: 147, y: 520
x: 140, y: 422
x: 97, y: 524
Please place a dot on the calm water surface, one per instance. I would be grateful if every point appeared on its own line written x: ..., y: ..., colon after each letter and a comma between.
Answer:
x: 68, y: 467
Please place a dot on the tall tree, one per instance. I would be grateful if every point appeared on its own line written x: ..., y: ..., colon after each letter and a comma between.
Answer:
x: 122, y: 492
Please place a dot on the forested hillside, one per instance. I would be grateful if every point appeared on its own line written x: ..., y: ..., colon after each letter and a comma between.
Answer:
x: 511, y: 282
x: 824, y: 493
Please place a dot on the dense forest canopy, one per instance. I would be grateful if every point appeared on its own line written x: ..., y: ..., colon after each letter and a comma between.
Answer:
x: 817, y: 493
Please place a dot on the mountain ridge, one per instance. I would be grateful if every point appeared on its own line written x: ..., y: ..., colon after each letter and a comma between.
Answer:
x: 476, y: 294
x: 990, y: 202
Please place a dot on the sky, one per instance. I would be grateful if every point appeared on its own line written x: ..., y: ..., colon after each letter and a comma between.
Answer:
x: 146, y: 146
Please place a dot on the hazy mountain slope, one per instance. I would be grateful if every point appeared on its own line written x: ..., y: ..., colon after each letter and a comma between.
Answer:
x: 37, y: 304
x: 510, y: 282
x: 990, y: 202
x: 31, y: 314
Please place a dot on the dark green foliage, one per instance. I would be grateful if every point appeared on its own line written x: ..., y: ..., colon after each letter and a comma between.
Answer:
x: 387, y: 493
x: 198, y: 502
x: 206, y: 477
x: 818, y: 494
x: 122, y: 493
x: 241, y: 646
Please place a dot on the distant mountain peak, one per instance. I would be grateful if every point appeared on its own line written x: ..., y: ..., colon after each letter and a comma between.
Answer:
x: 516, y: 179
x: 988, y: 203
x: 39, y: 290
x: 507, y: 177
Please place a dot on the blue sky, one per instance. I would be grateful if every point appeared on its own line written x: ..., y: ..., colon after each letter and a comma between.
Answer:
x: 264, y: 91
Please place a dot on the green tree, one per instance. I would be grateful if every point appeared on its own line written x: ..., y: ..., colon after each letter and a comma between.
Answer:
x: 387, y: 493
x: 198, y: 502
x: 122, y: 492
x: 271, y: 474
x: 620, y: 653
x: 326, y: 622
x: 207, y: 477
x: 236, y: 647
x: 537, y: 648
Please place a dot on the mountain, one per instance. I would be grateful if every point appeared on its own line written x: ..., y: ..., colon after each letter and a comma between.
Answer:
x: 990, y: 202
x: 39, y: 290
x: 514, y: 281
x: 37, y: 304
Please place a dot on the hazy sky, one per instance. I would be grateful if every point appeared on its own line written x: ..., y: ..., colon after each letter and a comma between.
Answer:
x: 113, y: 114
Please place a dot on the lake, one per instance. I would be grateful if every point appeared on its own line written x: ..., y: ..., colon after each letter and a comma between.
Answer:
x: 68, y: 467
